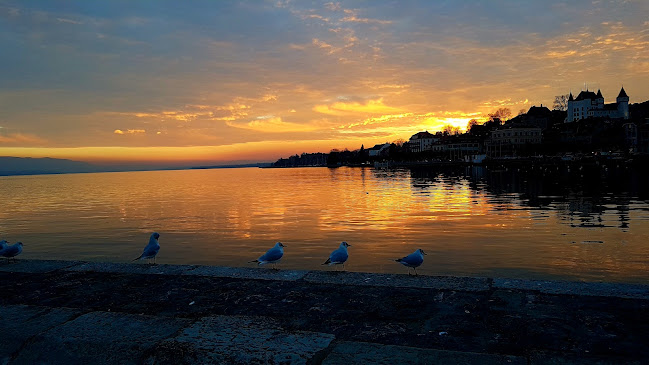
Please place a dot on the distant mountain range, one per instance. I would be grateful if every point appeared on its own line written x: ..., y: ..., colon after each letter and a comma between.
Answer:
x: 38, y: 166
x: 33, y: 166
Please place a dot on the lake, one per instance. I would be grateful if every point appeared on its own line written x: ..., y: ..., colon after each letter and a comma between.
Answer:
x: 471, y: 221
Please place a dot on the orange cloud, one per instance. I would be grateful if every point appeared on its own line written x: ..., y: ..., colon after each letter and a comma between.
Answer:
x: 20, y: 138
x: 342, y: 108
x: 273, y: 125
x: 129, y: 131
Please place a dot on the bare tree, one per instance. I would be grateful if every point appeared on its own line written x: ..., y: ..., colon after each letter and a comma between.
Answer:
x: 471, y: 123
x: 501, y: 114
x: 450, y: 130
x: 560, y: 102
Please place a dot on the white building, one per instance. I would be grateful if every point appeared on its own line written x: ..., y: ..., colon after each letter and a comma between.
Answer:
x: 588, y: 104
x: 379, y: 149
x: 422, y: 141
x: 504, y: 142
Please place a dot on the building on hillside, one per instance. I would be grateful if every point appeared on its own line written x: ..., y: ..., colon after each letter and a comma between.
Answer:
x: 643, y: 137
x: 457, y: 150
x: 379, y: 150
x: 588, y: 105
x: 506, y: 142
x: 422, y: 141
x: 538, y: 116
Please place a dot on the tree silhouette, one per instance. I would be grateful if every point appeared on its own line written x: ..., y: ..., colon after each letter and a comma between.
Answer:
x: 501, y: 114
x: 560, y: 102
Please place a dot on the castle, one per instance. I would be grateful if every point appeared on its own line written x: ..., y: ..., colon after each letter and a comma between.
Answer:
x: 588, y: 104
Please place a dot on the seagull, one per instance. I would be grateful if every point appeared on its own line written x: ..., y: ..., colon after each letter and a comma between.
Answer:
x: 413, y: 260
x: 11, y: 251
x: 272, y: 256
x: 339, y: 256
x: 151, y: 250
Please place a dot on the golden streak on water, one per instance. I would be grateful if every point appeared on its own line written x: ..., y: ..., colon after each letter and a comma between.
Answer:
x: 231, y: 216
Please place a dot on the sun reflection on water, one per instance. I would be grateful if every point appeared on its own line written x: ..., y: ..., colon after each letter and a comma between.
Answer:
x: 471, y: 221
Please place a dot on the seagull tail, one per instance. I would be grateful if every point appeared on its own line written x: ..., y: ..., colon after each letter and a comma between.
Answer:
x: 327, y: 262
x: 137, y: 258
x: 256, y: 261
x: 398, y: 260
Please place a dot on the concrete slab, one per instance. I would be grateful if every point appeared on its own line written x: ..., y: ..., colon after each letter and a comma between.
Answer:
x: 19, y: 323
x: 394, y: 280
x: 634, y: 291
x: 99, y: 338
x: 139, y: 268
x: 372, y: 353
x: 35, y: 266
x: 241, y: 340
x: 247, y: 273
x: 583, y: 359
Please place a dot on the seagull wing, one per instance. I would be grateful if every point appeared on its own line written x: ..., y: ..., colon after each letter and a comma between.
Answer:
x: 273, y: 254
x: 10, y: 251
x: 339, y: 255
x: 414, y: 259
x: 151, y: 249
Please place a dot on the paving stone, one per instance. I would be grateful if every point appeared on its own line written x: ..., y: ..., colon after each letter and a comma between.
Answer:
x: 139, y: 268
x: 18, y: 323
x: 372, y: 353
x: 35, y: 266
x: 634, y: 291
x: 99, y: 338
x: 247, y: 273
x: 584, y: 359
x: 241, y: 340
x: 394, y: 280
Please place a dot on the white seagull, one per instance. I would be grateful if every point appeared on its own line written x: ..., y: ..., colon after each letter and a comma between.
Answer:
x: 151, y: 250
x: 11, y: 251
x: 272, y: 256
x: 339, y: 256
x: 413, y: 260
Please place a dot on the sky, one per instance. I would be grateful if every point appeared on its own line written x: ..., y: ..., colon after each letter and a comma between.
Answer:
x: 228, y: 81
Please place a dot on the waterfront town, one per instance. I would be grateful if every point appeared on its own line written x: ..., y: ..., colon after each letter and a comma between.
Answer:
x: 578, y: 127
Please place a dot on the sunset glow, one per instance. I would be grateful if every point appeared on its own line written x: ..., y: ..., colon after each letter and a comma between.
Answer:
x: 219, y: 82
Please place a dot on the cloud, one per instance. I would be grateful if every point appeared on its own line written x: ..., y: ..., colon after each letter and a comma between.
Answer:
x: 129, y: 131
x: 69, y: 21
x: 352, y: 17
x: 348, y: 108
x: 22, y: 139
x: 273, y: 125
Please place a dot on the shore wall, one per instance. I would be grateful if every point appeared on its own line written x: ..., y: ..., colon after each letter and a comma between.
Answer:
x: 89, y: 312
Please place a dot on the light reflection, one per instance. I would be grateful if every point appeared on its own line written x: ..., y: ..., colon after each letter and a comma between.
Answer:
x: 473, y: 221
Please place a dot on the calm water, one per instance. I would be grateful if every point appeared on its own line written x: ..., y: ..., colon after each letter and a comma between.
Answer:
x: 471, y: 221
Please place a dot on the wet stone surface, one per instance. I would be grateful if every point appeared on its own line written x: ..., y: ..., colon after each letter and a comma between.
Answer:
x: 321, y: 312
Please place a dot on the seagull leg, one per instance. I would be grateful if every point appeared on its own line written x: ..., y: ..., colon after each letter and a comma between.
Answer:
x: 415, y: 271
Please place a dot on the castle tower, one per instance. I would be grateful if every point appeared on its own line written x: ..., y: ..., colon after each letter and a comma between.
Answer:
x: 623, y: 104
x: 569, y: 116
x: 600, y: 99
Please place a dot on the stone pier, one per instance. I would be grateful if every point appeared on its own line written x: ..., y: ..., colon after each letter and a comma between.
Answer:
x: 66, y: 312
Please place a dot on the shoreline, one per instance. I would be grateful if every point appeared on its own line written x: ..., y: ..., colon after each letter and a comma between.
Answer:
x: 100, y: 312
x: 442, y: 282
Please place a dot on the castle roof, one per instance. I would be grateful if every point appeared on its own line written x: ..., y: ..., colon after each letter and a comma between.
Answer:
x: 599, y: 94
x: 538, y: 111
x: 622, y: 93
x: 421, y: 135
x: 570, y: 98
x: 586, y: 95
